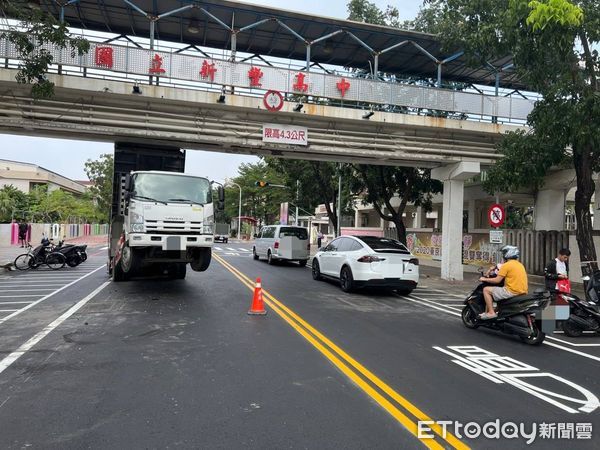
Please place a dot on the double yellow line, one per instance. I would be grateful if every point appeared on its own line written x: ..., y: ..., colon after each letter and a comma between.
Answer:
x: 404, y: 412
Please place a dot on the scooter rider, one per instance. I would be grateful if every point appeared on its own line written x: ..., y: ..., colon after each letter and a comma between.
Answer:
x: 514, y: 276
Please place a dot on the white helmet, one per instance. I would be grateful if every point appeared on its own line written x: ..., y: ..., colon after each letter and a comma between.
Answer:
x: 510, y: 252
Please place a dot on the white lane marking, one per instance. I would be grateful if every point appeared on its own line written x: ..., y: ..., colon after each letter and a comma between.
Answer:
x: 572, y: 343
x: 30, y: 284
x: 503, y: 369
x: 15, y: 303
x: 44, y: 278
x: 6, y: 362
x: 244, y: 249
x: 22, y: 288
x: 218, y: 248
x: 434, y: 303
x: 577, y: 352
x: 31, y: 305
x: 104, y: 248
x: 414, y: 300
x: 14, y: 296
x: 8, y: 310
x: 232, y: 249
x: 441, y: 296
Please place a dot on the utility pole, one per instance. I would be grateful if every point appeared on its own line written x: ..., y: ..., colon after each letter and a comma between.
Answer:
x: 297, y: 199
x: 339, y: 205
x: 239, y: 230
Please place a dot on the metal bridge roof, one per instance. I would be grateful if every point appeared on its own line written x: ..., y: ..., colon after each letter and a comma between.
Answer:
x: 275, y: 37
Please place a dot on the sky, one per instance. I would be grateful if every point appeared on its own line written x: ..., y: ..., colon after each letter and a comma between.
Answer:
x: 68, y: 157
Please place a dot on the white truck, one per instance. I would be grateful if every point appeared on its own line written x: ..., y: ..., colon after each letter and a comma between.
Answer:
x: 162, y: 219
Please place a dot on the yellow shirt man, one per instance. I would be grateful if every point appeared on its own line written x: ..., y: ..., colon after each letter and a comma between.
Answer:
x: 515, y: 277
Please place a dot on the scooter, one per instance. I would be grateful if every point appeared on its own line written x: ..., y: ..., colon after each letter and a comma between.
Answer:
x: 584, y: 315
x: 516, y: 315
x: 74, y: 254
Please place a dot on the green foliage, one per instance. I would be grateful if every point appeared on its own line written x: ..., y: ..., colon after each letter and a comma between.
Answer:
x: 378, y: 185
x: 262, y: 203
x: 548, y: 12
x: 13, y: 203
x: 43, y: 206
x: 318, y: 184
x: 37, y: 28
x: 100, y: 173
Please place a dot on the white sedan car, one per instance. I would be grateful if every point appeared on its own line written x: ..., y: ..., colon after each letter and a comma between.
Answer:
x: 367, y: 261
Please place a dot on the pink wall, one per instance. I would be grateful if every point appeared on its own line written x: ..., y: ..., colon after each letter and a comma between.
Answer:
x: 362, y: 232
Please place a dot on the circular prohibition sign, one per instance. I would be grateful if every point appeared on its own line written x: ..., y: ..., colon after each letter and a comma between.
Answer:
x: 273, y: 100
x: 496, y: 215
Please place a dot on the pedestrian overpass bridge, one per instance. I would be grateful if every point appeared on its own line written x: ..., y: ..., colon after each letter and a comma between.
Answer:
x: 181, y: 96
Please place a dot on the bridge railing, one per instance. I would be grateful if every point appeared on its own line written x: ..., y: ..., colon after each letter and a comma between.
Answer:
x: 208, y: 72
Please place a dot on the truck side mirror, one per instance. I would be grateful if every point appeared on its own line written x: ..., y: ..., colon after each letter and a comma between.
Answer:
x: 128, y: 182
x: 220, y: 205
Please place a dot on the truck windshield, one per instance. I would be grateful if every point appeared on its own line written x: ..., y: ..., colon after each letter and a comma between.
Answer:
x: 172, y: 188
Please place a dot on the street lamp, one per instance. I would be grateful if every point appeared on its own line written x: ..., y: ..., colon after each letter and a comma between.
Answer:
x: 239, y: 230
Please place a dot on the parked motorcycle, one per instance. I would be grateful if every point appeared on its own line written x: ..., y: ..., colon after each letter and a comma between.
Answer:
x: 74, y: 254
x: 516, y: 315
x: 584, y: 315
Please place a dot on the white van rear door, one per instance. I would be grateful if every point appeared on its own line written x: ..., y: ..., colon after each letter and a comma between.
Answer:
x: 290, y: 247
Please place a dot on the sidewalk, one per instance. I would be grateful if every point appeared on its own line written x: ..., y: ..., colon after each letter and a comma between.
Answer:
x: 8, y: 253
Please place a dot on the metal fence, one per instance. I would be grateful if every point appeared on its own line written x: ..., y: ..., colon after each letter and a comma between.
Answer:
x: 537, y: 247
x: 213, y: 72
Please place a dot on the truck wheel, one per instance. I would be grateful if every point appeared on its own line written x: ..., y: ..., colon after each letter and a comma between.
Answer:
x: 129, y: 259
x: 201, y: 260
x: 118, y: 274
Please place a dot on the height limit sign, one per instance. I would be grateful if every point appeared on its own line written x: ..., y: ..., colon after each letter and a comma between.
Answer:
x: 496, y: 215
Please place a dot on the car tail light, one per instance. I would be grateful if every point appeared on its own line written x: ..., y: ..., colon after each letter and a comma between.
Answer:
x: 276, y: 244
x: 414, y: 261
x: 370, y: 259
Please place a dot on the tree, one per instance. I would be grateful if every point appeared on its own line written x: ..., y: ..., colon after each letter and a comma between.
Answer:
x: 318, y: 184
x: 13, y: 203
x: 260, y: 202
x: 378, y: 185
x: 552, y: 43
x: 35, y: 29
x: 100, y: 173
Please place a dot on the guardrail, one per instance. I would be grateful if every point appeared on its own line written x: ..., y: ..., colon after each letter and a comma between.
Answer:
x: 213, y: 73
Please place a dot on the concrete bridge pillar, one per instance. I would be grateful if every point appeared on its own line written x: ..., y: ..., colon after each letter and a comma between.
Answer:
x: 596, y: 223
x: 550, y: 210
x: 420, y: 218
x: 472, y: 212
x: 454, y: 177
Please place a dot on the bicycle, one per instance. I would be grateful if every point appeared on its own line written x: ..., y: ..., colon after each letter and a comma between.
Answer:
x: 34, y: 258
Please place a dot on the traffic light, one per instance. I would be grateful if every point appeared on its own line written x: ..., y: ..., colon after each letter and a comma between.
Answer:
x: 262, y: 183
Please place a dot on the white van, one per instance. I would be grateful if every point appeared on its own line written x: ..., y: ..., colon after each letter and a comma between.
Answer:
x: 282, y: 242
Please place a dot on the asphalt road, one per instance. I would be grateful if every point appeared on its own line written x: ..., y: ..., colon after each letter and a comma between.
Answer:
x: 164, y: 364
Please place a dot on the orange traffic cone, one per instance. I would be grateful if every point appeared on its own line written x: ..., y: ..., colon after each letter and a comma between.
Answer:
x: 258, y: 306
